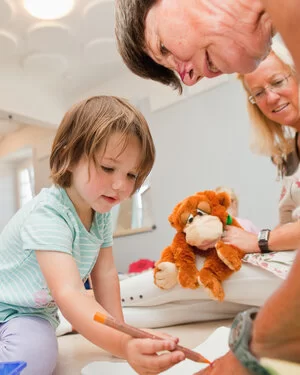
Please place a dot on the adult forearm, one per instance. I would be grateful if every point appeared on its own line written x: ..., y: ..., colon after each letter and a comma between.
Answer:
x: 276, y: 329
x: 285, y: 237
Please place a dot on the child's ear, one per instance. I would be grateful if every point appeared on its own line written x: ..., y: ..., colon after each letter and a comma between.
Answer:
x: 224, y: 199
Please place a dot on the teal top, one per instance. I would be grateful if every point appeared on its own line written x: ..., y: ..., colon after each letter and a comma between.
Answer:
x: 47, y: 222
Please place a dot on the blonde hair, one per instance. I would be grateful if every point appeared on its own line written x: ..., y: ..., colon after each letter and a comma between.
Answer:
x: 269, y: 137
x: 88, y: 125
x: 232, y: 195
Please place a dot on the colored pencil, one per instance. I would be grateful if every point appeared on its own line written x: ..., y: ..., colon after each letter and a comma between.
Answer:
x: 138, y: 333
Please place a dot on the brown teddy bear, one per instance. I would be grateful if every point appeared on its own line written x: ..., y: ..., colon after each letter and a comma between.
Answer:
x: 199, y: 220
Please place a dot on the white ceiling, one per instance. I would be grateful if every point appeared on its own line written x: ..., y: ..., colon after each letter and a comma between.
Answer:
x: 45, y: 66
x: 54, y: 61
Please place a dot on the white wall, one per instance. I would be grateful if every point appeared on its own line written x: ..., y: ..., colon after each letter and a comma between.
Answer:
x: 13, y: 149
x: 202, y: 142
x: 7, y: 193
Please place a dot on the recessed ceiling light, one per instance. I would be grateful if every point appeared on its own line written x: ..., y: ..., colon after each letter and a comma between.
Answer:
x: 48, y: 9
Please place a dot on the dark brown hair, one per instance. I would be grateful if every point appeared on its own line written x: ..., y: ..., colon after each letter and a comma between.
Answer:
x: 88, y: 125
x: 130, y: 34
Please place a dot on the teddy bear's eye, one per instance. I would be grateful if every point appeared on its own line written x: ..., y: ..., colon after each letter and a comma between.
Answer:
x: 200, y: 212
x: 190, y: 219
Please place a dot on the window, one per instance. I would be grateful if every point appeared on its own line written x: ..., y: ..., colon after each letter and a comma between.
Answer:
x: 25, y: 184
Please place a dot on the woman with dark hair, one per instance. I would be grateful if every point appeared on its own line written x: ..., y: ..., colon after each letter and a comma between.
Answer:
x: 174, y: 41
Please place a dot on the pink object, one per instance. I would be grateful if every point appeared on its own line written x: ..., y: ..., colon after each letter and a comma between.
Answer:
x: 247, y: 225
x: 141, y: 265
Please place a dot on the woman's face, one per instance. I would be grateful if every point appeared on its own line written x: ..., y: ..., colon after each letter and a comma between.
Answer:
x: 280, y: 105
x: 201, y: 38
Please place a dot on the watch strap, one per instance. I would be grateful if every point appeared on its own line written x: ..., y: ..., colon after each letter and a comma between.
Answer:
x: 263, y: 241
x: 239, y: 340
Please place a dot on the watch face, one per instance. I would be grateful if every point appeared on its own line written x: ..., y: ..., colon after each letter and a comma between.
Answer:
x: 264, y: 235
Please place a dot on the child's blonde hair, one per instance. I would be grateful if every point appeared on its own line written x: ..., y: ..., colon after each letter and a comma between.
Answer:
x: 269, y: 137
x: 88, y: 125
x: 232, y: 195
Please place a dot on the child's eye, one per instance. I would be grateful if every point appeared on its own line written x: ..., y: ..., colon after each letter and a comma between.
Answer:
x: 132, y: 176
x: 107, y: 169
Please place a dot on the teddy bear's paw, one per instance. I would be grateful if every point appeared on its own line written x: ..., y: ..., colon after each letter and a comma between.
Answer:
x: 212, y: 285
x: 165, y: 275
x: 188, y: 281
x: 230, y: 258
x: 234, y: 266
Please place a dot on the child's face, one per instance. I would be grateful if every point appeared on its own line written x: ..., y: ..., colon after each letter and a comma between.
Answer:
x: 111, y: 179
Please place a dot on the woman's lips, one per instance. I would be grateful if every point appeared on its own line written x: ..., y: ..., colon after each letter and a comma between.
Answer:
x: 279, y: 109
x: 182, y: 74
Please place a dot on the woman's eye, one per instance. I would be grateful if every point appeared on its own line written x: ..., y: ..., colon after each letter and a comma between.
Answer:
x: 107, y: 169
x: 200, y: 212
x: 163, y: 49
x: 278, y: 82
x: 258, y: 94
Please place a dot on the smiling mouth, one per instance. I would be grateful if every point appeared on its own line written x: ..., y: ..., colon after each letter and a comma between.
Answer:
x: 211, y: 66
x: 279, y: 109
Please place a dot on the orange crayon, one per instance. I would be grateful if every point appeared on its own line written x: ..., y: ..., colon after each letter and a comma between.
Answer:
x: 138, y: 333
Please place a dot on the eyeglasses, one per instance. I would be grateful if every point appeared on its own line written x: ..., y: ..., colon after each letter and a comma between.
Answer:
x: 279, y: 83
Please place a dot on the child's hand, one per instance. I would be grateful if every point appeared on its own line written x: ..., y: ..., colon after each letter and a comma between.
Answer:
x: 142, y: 355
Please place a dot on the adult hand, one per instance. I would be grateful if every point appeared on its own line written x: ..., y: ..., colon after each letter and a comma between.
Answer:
x: 240, y: 238
x: 226, y: 365
x: 142, y: 355
x: 276, y: 329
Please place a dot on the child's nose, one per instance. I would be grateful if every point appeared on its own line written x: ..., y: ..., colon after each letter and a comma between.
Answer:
x: 118, y: 184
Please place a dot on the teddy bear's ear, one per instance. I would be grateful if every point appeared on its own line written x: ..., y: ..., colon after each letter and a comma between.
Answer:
x: 224, y: 199
x: 171, y: 219
x: 173, y: 216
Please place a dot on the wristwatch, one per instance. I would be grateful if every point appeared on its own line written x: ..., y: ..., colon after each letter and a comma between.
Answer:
x: 239, y: 340
x: 263, y: 238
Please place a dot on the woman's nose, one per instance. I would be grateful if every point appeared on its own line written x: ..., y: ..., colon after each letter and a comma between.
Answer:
x: 190, y: 78
x: 272, y: 95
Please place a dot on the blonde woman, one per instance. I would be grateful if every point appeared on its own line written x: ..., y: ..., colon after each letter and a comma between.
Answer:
x: 273, y: 105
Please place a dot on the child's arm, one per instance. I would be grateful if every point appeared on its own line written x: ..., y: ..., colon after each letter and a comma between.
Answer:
x: 63, y: 279
x: 106, y: 284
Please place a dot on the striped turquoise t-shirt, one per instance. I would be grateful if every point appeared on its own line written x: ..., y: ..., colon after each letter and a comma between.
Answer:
x: 47, y: 222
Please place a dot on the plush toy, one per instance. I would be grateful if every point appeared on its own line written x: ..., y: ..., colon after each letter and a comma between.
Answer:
x: 199, y: 221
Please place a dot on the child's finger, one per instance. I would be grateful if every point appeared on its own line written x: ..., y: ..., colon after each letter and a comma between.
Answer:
x: 164, y: 361
x: 151, y: 346
x: 163, y: 335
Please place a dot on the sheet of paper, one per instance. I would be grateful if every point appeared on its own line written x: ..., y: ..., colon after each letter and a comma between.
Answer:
x: 215, y: 346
